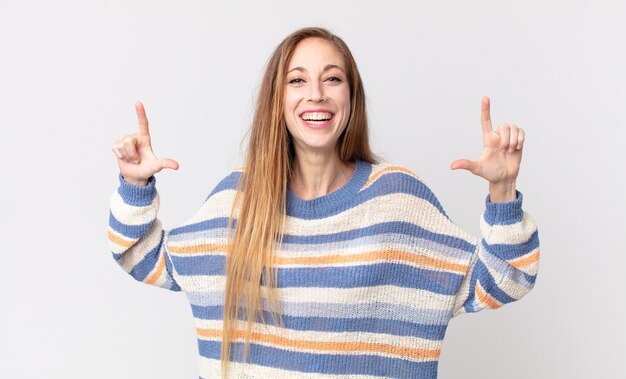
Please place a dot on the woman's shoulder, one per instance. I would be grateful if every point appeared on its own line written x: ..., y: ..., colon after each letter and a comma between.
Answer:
x: 394, y: 180
x: 385, y: 174
x: 228, y: 183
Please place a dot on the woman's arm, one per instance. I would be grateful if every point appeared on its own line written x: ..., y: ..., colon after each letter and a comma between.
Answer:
x: 136, y: 238
x: 505, y: 262
x: 137, y: 241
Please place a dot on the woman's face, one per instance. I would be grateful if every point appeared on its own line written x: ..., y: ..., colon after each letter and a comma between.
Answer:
x: 317, y: 97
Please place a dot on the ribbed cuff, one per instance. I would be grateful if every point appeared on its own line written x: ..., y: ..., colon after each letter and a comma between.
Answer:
x: 137, y: 195
x: 504, y: 213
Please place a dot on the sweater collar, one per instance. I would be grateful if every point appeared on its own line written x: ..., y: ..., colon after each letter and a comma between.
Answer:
x: 332, y: 203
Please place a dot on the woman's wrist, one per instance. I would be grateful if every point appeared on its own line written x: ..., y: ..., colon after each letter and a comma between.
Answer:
x: 140, y: 183
x: 502, y: 192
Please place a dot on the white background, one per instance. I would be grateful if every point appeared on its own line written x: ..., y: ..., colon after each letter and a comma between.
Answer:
x: 70, y: 72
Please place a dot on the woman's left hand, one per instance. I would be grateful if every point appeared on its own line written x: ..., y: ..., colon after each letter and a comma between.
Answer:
x: 502, y: 153
x: 500, y: 160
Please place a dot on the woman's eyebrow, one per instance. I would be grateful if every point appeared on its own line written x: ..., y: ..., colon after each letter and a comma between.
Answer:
x: 328, y: 67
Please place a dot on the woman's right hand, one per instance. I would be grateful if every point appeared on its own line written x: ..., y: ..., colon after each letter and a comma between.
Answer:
x: 134, y: 153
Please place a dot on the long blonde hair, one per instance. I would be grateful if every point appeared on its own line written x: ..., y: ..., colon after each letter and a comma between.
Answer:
x: 261, y: 195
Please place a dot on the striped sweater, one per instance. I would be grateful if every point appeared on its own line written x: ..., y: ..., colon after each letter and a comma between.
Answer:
x: 368, y: 276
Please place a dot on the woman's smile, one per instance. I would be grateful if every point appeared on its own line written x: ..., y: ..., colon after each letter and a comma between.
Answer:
x: 317, y: 118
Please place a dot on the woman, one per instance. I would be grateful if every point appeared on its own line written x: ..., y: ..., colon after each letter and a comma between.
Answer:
x: 349, y: 266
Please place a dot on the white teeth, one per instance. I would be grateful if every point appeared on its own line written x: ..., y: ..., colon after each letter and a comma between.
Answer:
x: 317, y: 116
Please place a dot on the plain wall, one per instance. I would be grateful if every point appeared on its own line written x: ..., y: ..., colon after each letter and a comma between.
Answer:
x: 70, y: 72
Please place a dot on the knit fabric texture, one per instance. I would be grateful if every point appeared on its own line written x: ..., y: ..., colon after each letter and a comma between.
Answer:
x: 369, y: 276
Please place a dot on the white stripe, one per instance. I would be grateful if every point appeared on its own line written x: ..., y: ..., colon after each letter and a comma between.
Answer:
x: 218, y: 205
x: 213, y: 235
x: 210, y: 368
x: 133, y: 215
x: 202, y: 283
x: 383, y: 294
x: 519, y: 232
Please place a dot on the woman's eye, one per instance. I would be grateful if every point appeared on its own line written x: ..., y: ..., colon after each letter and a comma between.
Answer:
x: 334, y: 79
x: 296, y: 81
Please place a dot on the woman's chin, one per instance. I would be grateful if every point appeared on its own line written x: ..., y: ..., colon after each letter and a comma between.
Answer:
x: 317, y: 147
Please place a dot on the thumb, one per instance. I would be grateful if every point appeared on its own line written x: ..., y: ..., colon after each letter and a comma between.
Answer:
x: 465, y: 164
x: 169, y: 163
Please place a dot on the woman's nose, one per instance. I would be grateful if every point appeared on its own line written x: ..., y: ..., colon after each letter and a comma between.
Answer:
x: 316, y: 93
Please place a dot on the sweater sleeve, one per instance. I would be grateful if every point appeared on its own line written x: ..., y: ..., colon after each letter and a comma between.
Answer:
x: 504, y: 265
x: 136, y: 238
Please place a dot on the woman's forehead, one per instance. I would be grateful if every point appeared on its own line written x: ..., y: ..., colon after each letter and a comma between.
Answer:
x: 315, y: 54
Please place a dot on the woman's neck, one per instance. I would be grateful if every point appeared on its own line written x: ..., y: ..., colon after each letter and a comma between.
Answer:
x: 318, y: 175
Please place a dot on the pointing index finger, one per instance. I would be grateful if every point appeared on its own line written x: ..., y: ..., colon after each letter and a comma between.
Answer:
x: 485, y: 116
x: 142, y: 119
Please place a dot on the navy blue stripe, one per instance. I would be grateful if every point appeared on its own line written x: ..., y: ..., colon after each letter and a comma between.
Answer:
x: 200, y: 264
x: 138, y: 196
x: 129, y: 231
x: 385, y: 273
x: 512, y: 251
x: 334, y: 324
x: 362, y: 364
